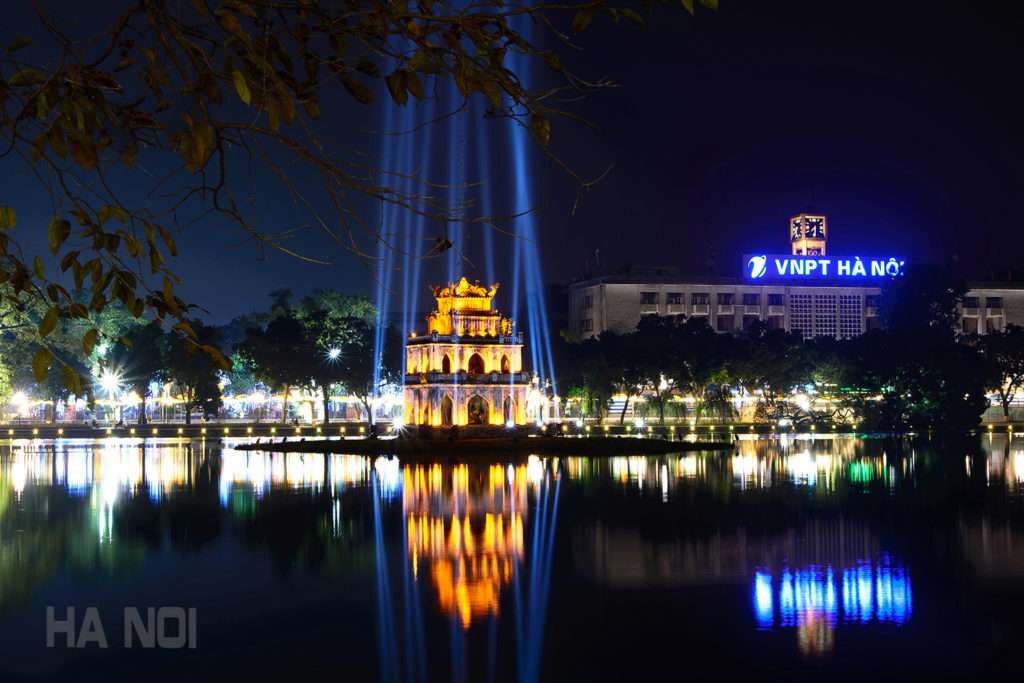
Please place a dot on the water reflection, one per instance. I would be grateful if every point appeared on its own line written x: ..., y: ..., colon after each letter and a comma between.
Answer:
x: 251, y: 474
x: 814, y: 463
x: 450, y: 567
x: 1004, y: 461
x: 465, y: 535
x: 814, y: 598
x: 470, y: 537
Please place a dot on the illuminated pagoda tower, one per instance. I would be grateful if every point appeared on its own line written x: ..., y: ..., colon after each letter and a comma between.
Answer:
x: 467, y: 369
x: 808, y: 234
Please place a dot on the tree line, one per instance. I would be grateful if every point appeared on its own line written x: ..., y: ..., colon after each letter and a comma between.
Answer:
x: 916, y: 372
x: 322, y: 343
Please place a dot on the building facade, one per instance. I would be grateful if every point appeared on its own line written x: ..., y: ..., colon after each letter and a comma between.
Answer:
x: 468, y: 367
x: 815, y: 305
x: 617, y: 303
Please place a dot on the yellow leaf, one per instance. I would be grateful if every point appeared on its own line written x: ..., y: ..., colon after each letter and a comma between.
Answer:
x: 59, y: 231
x: 49, y: 321
x: 414, y: 84
x: 19, y: 43
x: 357, y: 90
x: 168, y: 240
x: 229, y: 22
x: 89, y: 341
x: 8, y: 219
x: 72, y: 380
x: 541, y: 127
x: 312, y: 108
x: 41, y: 364
x: 156, y: 259
x: 241, y: 86
x: 396, y: 86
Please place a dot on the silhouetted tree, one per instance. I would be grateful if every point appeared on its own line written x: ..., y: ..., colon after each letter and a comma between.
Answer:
x: 139, y: 360
x: 363, y: 369
x: 193, y: 374
x: 1004, y: 355
x: 281, y: 354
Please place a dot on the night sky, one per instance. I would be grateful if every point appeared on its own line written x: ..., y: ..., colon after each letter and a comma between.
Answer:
x: 896, y: 121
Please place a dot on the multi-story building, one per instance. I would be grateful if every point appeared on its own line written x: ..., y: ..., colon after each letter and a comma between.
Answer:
x: 829, y: 299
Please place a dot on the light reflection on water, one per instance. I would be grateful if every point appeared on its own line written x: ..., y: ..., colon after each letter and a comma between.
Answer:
x: 814, y: 598
x: 473, y: 544
x: 757, y: 464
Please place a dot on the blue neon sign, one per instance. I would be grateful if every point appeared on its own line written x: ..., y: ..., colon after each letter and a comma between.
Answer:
x: 785, y: 267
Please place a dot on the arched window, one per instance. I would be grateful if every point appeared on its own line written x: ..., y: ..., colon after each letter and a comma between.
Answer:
x: 506, y: 365
x: 478, y: 411
x: 476, y: 365
x: 446, y: 411
x: 446, y: 365
x: 508, y: 412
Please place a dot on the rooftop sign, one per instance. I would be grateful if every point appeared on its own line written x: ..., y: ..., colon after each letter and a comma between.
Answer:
x: 771, y: 267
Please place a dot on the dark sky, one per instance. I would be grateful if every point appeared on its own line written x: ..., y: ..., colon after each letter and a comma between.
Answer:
x: 901, y: 121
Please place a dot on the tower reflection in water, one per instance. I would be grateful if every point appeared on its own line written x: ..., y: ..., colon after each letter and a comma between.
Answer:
x: 465, y: 536
x: 470, y: 541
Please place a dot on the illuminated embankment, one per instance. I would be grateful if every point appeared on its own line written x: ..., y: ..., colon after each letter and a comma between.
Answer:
x: 487, y: 446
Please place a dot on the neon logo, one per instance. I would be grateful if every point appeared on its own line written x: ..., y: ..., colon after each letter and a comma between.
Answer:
x: 757, y: 265
x: 784, y: 267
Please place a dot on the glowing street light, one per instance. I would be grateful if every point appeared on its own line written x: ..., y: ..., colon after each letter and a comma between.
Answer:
x: 333, y: 354
x: 111, y: 382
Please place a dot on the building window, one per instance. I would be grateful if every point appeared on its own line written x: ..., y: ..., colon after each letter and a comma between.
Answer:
x: 751, y: 299
x: 801, y: 317
x: 726, y: 299
x: 588, y: 302
x: 649, y: 298
x: 994, y: 301
x: 775, y: 300
x: 970, y: 302
x: 700, y: 299
x: 749, y: 320
x: 724, y: 323
x: 970, y: 325
x: 851, y: 316
x: 674, y: 298
x: 824, y: 315
x: 587, y: 325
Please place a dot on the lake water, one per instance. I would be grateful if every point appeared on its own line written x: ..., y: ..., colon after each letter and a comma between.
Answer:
x: 789, y: 559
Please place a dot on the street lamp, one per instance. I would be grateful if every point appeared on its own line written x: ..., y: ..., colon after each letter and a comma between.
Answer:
x: 111, y: 383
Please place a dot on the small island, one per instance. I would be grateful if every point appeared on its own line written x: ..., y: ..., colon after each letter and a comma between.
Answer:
x: 487, y: 445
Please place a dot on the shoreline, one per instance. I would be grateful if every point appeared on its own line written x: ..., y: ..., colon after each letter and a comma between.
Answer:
x: 546, y: 445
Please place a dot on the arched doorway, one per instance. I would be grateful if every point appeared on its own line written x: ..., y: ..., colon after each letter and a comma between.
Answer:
x: 506, y: 366
x: 508, y: 410
x: 446, y: 365
x: 476, y: 365
x: 446, y: 411
x: 478, y: 411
